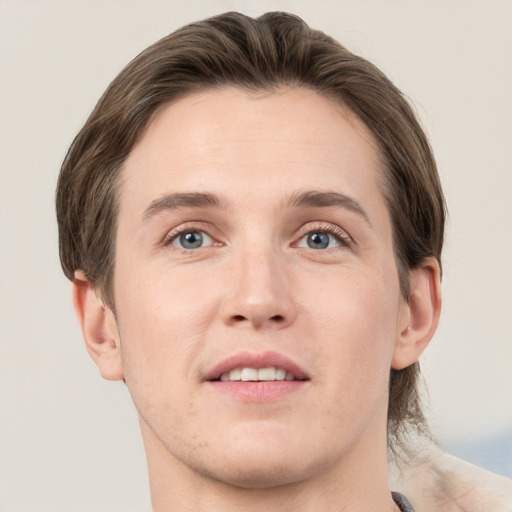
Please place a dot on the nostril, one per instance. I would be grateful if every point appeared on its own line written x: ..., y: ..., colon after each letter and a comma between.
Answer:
x: 242, y: 318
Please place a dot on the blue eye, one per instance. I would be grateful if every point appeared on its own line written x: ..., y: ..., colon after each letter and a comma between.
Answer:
x: 192, y: 240
x: 319, y: 240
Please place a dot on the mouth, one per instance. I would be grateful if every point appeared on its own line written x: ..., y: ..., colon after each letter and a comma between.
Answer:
x: 256, y: 376
x: 255, y: 367
x: 268, y: 374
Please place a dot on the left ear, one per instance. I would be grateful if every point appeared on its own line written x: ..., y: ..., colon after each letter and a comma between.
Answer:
x: 420, y: 314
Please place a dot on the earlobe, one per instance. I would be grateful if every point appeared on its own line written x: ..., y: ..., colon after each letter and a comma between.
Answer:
x: 98, y: 328
x: 420, y: 315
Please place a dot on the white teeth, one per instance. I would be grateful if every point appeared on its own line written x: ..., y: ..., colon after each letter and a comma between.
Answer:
x: 235, y: 374
x: 253, y: 374
x: 280, y: 374
x: 267, y: 374
x: 249, y: 374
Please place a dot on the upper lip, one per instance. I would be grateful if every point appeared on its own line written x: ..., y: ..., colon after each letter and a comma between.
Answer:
x: 255, y: 360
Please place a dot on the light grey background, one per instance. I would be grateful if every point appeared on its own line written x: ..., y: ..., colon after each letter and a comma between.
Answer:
x: 68, y: 440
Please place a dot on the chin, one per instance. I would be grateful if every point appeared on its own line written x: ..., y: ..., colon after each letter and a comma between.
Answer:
x: 261, y: 475
x: 260, y: 465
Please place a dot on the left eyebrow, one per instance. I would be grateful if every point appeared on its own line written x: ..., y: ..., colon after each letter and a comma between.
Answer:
x: 314, y: 198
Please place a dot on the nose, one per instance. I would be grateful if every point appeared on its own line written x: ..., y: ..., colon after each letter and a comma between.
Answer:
x: 259, y: 291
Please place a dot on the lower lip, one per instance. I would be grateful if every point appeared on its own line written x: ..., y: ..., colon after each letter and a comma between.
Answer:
x: 257, y: 391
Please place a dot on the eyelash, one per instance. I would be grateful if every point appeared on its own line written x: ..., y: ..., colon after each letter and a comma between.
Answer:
x: 187, y: 228
x: 340, y: 235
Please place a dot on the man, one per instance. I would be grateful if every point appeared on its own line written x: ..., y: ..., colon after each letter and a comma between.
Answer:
x: 253, y: 222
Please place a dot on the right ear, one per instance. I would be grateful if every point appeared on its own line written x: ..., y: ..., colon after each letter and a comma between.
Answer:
x: 99, y: 328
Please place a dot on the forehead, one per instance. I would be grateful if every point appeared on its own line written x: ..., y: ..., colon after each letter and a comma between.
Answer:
x: 229, y: 141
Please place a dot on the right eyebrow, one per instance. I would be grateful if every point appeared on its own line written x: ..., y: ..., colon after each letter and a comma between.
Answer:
x: 180, y: 200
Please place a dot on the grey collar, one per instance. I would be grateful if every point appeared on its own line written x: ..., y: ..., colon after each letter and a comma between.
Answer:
x: 402, y: 502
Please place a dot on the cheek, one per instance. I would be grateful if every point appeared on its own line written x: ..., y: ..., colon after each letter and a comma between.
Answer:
x: 162, y: 322
x: 356, y: 319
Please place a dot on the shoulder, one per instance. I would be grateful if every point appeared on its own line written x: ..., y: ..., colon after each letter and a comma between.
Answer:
x: 443, y: 483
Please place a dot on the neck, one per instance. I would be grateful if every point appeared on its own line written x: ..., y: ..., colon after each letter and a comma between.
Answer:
x: 358, y: 482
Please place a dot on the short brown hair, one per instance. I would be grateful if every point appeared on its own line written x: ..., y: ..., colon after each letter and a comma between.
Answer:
x: 273, y: 51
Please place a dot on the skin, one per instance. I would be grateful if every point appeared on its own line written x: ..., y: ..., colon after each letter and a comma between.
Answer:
x: 255, y: 285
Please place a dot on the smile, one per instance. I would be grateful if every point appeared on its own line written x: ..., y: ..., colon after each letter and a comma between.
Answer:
x: 254, y: 367
x: 255, y: 375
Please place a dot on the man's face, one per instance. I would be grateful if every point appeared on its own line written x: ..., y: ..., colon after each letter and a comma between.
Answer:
x: 252, y: 234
